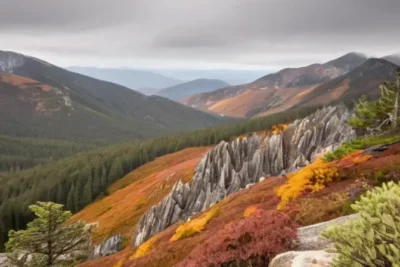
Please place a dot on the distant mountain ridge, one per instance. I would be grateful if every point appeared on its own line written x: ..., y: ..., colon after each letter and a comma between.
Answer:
x: 197, y: 86
x: 39, y: 99
x: 146, y: 82
x: 292, y: 87
x: 395, y: 59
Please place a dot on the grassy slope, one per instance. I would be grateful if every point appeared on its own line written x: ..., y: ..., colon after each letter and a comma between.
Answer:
x: 144, y: 187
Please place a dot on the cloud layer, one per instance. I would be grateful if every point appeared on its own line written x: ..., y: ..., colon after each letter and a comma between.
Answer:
x: 192, y: 33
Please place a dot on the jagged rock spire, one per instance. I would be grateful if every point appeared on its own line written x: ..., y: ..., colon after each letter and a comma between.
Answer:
x: 229, y: 167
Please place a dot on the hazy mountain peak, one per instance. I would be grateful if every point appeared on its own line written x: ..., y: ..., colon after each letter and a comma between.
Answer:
x: 10, y: 60
x: 146, y: 82
x: 197, y: 86
x: 395, y: 58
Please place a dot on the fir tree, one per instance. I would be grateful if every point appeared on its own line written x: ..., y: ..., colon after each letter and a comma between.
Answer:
x: 70, y: 199
x: 48, y: 240
x: 116, y: 170
x: 87, y: 193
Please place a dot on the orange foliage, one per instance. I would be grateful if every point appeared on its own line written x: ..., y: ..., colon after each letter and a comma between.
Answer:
x: 249, y: 210
x: 313, y: 177
x: 23, y: 82
x: 278, y: 128
x: 119, y: 263
x: 361, y: 159
x: 194, y: 226
x: 134, y: 194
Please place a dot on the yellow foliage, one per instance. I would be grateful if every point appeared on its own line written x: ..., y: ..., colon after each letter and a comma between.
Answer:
x: 119, y: 263
x: 249, y: 210
x: 314, y: 177
x: 144, y: 248
x: 194, y: 226
x: 278, y: 128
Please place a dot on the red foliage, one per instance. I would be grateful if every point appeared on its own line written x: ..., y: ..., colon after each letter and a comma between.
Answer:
x: 256, y: 239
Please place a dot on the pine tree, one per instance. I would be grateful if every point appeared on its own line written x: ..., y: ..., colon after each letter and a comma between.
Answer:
x: 116, y: 171
x: 60, y: 194
x: 70, y: 199
x: 381, y: 114
x: 87, y: 192
x: 48, y: 240
x: 104, y: 182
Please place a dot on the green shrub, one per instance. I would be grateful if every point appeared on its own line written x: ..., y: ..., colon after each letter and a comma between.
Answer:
x: 373, y: 239
x: 359, y: 144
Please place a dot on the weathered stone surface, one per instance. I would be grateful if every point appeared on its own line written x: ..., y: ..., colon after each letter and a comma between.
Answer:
x: 3, y: 260
x: 310, y: 236
x: 313, y: 258
x: 230, y: 167
x: 310, y: 249
x: 108, y: 247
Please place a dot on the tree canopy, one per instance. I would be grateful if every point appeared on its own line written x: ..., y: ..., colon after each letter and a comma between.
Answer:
x: 48, y: 240
x: 380, y: 114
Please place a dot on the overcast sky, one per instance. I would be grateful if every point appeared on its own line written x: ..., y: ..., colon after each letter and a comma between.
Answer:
x: 266, y: 34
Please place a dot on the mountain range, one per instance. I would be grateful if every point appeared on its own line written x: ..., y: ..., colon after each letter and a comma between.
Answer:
x: 197, y: 86
x: 39, y: 99
x: 146, y: 82
x: 345, y: 78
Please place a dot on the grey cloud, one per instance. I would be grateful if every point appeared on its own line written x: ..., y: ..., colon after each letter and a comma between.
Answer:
x: 237, y: 32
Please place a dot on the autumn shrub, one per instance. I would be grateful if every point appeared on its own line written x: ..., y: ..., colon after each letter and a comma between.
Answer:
x: 194, y: 226
x: 373, y: 239
x: 315, y: 210
x: 249, y: 211
x: 314, y: 177
x: 144, y: 248
x: 252, y: 241
x: 278, y: 128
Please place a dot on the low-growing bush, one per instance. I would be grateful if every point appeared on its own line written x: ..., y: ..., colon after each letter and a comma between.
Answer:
x: 314, y: 177
x: 144, y: 248
x: 195, y: 226
x: 319, y: 209
x: 249, y: 211
x: 373, y: 239
x: 359, y: 144
x: 253, y: 241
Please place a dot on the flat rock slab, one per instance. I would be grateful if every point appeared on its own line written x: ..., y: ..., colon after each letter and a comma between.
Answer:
x: 3, y: 259
x: 310, y: 236
x: 312, y: 258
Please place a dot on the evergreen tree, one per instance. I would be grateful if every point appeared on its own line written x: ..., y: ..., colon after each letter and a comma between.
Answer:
x: 70, y: 199
x: 48, y: 240
x: 116, y: 171
x: 103, y: 179
x: 381, y: 114
x: 87, y: 193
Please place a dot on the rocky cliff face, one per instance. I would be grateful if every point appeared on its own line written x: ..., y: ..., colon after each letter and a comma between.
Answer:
x: 230, y: 167
x: 108, y: 247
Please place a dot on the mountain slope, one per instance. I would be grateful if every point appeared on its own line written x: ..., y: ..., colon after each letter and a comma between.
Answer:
x: 138, y: 80
x: 182, y: 90
x: 395, y: 59
x: 363, y: 80
x: 39, y: 99
x: 273, y: 90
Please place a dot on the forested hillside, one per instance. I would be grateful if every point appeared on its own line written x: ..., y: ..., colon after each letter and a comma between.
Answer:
x: 38, y: 99
x: 78, y: 180
x: 19, y: 153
